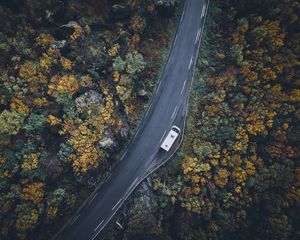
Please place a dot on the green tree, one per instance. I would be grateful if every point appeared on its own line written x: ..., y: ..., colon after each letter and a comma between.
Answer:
x: 11, y: 122
x: 59, y: 194
x: 119, y: 64
x: 35, y: 122
x: 134, y: 63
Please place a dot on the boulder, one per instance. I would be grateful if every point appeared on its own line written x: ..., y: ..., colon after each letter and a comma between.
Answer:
x: 107, y: 141
x: 124, y: 131
x: 89, y: 98
x: 143, y: 93
x: 141, y: 214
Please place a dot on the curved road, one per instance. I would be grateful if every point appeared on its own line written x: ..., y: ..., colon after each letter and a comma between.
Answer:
x: 143, y: 155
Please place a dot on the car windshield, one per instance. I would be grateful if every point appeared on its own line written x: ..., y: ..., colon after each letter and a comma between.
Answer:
x: 175, y: 129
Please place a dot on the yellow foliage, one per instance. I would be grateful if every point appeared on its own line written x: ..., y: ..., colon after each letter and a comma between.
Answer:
x: 195, y: 179
x: 239, y: 175
x: 19, y: 105
x: 84, y: 138
x: 225, y: 159
x: 242, y: 140
x: 48, y: 58
x: 116, y: 76
x: 30, y: 162
x: 52, y: 120
x: 52, y: 212
x: 214, y: 162
x: 150, y: 8
x: 44, y: 40
x: 273, y: 34
x: 64, y: 84
x: 130, y: 110
x: 132, y: 43
x: 66, y: 63
x: 39, y: 102
x: 190, y: 164
x: 27, y: 70
x: 123, y: 92
x: 268, y: 74
x: 196, y: 190
x: 238, y: 36
x: 87, y: 155
x: 250, y: 168
x: 2, y: 100
x: 135, y: 38
x: 113, y: 51
x: 86, y: 81
x: 198, y: 173
x: 33, y: 192
x: 212, y: 109
x: 294, y: 95
x: 195, y: 204
x: 255, y: 125
x: 269, y: 117
x: 235, y: 160
x: 27, y: 221
x: 253, y: 76
x: 32, y: 76
x: 78, y: 31
x: 275, y: 150
x: 238, y: 189
x: 5, y: 174
x: 137, y: 23
x: 221, y: 177
x: 285, y: 126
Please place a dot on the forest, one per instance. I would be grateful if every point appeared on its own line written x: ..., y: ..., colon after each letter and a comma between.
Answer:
x: 77, y: 76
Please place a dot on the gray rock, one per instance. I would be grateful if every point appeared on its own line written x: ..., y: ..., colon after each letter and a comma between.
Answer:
x: 141, y: 214
x: 89, y: 98
x: 107, y: 142
x: 58, y: 44
x: 143, y: 93
x: 124, y: 131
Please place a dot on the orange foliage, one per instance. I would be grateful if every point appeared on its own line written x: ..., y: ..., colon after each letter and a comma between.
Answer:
x: 64, y: 84
x: 35, y: 79
x: 19, y: 105
x: 221, y: 177
x: 26, y: 221
x: 85, y: 137
x: 44, y: 40
x: 48, y: 58
x: 52, y: 120
x: 52, y: 212
x: 255, y: 125
x: 242, y: 140
x: 30, y: 162
x: 293, y: 195
x: 66, y: 63
x: 113, y: 51
x: 33, y: 192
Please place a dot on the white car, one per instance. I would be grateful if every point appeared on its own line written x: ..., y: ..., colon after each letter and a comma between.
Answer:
x: 170, y: 138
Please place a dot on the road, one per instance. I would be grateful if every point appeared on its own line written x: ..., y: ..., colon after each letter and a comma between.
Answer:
x: 168, y: 107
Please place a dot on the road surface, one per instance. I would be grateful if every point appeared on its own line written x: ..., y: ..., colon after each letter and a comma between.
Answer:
x: 168, y: 107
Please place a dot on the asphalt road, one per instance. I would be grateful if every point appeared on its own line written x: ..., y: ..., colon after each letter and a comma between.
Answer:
x: 143, y: 155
